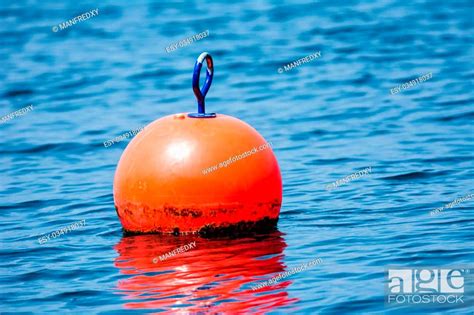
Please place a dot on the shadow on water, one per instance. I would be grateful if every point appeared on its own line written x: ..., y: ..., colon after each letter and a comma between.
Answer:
x: 216, y: 273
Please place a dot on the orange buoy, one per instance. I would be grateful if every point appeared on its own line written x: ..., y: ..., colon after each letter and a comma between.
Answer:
x: 198, y: 173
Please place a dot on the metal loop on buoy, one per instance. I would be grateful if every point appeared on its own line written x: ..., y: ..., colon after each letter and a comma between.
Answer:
x: 201, y: 93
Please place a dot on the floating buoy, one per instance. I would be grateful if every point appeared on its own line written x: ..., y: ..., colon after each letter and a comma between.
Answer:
x: 198, y: 172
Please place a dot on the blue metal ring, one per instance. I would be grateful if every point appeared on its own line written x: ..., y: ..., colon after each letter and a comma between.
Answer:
x: 201, y: 93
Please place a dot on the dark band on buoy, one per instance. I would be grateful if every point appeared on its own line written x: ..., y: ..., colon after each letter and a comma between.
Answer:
x: 201, y: 93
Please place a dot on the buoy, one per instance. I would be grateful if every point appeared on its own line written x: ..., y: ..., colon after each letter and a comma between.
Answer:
x: 201, y: 172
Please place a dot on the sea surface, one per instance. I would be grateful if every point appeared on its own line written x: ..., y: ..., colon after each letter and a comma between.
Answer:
x: 327, y: 119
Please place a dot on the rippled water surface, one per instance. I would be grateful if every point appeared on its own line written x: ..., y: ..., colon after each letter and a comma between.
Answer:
x: 327, y: 119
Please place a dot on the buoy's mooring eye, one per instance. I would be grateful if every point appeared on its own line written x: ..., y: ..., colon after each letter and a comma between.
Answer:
x: 201, y: 94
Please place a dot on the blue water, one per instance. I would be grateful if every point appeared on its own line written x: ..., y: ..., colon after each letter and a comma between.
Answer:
x: 327, y: 119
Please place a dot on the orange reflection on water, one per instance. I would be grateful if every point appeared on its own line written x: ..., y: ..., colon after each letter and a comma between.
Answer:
x: 215, y: 276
